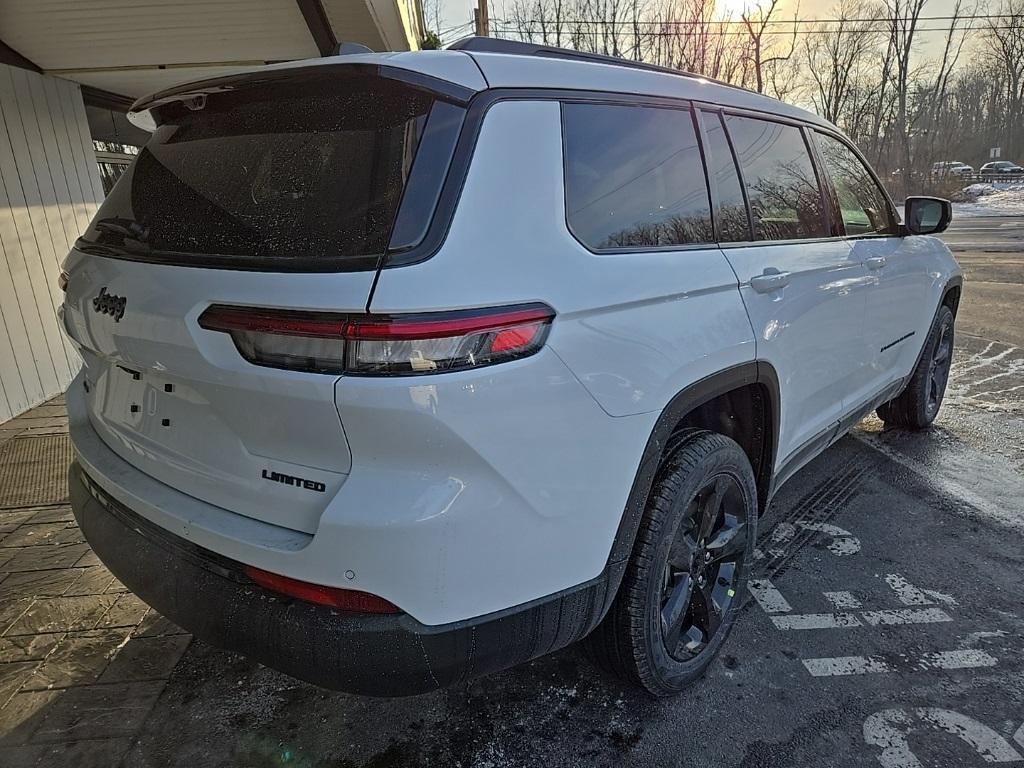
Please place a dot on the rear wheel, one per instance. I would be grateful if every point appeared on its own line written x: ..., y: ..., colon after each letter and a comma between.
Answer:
x: 918, y: 404
x: 687, y: 573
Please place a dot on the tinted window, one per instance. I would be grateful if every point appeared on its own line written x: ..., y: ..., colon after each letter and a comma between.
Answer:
x: 310, y: 169
x: 731, y: 215
x: 862, y: 204
x: 783, y: 190
x: 634, y: 177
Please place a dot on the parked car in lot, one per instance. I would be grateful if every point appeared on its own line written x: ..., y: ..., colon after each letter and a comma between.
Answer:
x: 401, y: 369
x: 997, y: 167
x: 951, y: 168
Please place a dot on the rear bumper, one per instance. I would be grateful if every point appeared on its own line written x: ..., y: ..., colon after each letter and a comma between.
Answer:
x: 365, y: 654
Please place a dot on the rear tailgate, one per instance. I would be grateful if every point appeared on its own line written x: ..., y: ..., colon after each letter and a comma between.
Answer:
x: 182, y: 405
x: 281, y: 191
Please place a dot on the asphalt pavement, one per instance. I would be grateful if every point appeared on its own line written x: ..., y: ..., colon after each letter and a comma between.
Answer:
x: 991, y: 251
x: 885, y: 626
x: 887, y: 629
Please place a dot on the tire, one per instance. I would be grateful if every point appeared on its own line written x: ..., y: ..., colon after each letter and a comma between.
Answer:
x: 918, y: 405
x: 703, y: 501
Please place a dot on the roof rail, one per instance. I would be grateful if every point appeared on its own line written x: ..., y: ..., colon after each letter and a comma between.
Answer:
x: 499, y: 45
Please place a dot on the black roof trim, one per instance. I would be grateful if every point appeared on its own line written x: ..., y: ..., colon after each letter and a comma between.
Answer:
x: 477, y: 44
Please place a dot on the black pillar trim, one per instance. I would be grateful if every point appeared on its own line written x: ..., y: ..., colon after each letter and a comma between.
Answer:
x: 319, y: 26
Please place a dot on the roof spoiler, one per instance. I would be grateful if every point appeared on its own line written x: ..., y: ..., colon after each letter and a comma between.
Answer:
x: 194, y: 95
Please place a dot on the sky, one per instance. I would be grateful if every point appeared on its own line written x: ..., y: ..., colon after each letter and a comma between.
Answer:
x: 455, y: 12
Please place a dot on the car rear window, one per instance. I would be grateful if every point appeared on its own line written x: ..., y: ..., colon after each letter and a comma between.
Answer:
x: 296, y: 172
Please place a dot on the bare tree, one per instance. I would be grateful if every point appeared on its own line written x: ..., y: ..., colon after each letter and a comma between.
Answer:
x: 690, y: 35
x: 837, y: 55
x: 1004, y: 41
x: 761, y: 41
x: 904, y: 16
x: 866, y: 70
x: 432, y: 15
x: 935, y: 116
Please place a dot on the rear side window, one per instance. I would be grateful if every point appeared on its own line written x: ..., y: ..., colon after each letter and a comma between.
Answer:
x: 785, y: 199
x: 634, y: 177
x: 862, y: 203
x: 303, y: 171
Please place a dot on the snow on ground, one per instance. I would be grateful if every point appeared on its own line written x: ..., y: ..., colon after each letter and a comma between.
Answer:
x: 1001, y: 198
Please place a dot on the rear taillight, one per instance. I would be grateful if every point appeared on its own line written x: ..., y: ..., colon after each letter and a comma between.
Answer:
x: 382, y: 345
x: 335, y: 597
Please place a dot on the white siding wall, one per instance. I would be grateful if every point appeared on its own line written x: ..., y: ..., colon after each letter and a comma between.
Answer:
x: 49, y: 190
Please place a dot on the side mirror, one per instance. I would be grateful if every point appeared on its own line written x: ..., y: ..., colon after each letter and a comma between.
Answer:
x: 926, y: 215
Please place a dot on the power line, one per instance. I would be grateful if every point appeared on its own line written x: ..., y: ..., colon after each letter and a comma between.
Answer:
x: 455, y: 28
x: 787, y: 22
x: 741, y: 32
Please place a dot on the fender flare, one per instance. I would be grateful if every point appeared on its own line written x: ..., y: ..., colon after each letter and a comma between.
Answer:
x: 956, y: 281
x: 695, y: 395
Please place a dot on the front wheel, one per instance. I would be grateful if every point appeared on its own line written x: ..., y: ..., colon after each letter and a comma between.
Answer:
x: 687, y: 574
x: 918, y: 405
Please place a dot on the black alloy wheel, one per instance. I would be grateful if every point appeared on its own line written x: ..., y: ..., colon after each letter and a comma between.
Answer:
x: 686, y: 576
x: 704, y: 562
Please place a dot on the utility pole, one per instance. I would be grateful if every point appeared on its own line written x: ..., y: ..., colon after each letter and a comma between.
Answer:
x: 481, y: 20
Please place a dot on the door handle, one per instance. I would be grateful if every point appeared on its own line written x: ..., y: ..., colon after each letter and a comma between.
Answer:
x: 875, y: 262
x: 769, y: 281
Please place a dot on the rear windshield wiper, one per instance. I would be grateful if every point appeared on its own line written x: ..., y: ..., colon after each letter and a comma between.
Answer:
x: 127, y: 228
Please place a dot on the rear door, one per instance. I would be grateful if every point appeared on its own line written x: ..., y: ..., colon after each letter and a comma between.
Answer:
x: 803, y: 290
x: 274, y: 192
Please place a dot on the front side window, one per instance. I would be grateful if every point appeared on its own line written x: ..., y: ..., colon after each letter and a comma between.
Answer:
x: 634, y: 177
x: 785, y: 200
x: 862, y: 203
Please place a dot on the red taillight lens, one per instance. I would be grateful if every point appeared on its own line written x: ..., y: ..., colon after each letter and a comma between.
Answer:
x: 382, y: 345
x: 342, y: 599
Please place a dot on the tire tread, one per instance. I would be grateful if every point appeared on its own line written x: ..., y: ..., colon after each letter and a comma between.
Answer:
x: 615, y: 645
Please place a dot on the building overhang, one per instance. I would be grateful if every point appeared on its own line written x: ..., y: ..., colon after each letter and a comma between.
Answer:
x: 119, y: 50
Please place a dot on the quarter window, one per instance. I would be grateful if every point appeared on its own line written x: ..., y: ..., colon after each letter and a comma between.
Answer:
x: 862, y: 203
x: 785, y: 199
x: 634, y: 177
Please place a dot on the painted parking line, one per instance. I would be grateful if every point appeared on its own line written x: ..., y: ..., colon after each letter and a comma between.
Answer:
x: 906, y: 592
x: 890, y: 729
x: 843, y: 601
x: 768, y: 597
x: 815, y: 621
x: 962, y: 659
x: 843, y: 542
x: 846, y: 665
x: 840, y: 666
x: 906, y: 616
x: 774, y: 603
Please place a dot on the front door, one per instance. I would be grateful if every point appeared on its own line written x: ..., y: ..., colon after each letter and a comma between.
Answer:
x: 899, y: 307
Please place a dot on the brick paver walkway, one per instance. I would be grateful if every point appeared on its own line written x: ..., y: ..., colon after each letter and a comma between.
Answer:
x: 82, y: 660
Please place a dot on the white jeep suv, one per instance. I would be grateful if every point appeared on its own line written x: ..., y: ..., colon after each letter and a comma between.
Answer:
x: 405, y: 368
